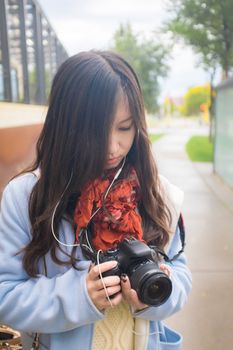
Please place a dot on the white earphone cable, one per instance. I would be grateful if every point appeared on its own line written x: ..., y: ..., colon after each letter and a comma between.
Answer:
x: 53, y: 215
x: 101, y: 277
x: 55, y: 208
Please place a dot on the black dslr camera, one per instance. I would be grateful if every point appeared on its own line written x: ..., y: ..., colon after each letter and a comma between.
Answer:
x: 140, y: 263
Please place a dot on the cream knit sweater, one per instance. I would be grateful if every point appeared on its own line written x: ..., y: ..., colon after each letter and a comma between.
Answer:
x: 115, y: 332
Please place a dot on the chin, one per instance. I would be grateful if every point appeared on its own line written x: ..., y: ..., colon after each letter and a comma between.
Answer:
x: 113, y: 165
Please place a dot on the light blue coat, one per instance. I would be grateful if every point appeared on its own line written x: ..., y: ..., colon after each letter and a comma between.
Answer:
x: 58, y: 306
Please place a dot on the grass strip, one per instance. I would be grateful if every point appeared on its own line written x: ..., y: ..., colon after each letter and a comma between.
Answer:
x: 155, y: 137
x: 199, y: 149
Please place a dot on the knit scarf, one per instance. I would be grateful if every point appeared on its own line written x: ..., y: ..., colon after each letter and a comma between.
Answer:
x: 118, y: 217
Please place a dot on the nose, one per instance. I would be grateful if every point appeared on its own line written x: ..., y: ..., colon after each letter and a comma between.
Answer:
x: 113, y: 145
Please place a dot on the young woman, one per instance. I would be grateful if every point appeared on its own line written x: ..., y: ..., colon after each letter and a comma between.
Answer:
x: 94, y: 169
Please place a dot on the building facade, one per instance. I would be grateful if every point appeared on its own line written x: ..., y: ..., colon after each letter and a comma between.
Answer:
x: 223, y: 152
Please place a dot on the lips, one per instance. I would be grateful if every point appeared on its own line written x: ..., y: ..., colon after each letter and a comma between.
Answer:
x: 113, y: 160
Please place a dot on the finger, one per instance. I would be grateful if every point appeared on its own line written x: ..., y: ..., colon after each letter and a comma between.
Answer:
x: 104, y: 303
x: 108, y: 281
x: 95, y: 271
x: 130, y: 294
x: 133, y: 297
x: 110, y: 291
x: 125, y: 285
x: 127, y: 291
x: 135, y: 301
x: 166, y: 269
x: 116, y: 300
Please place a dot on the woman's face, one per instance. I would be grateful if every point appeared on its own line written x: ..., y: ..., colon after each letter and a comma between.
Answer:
x: 122, y: 134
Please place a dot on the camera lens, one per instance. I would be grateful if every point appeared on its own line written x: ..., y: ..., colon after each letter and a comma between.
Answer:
x: 156, y: 289
x: 152, y: 286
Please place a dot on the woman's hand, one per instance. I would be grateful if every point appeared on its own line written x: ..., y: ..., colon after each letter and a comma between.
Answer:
x: 130, y: 295
x: 96, y: 289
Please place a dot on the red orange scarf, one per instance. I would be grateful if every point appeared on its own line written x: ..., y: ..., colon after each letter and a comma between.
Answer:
x: 118, y: 217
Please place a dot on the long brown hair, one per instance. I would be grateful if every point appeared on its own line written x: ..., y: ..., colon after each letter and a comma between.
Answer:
x: 72, y: 149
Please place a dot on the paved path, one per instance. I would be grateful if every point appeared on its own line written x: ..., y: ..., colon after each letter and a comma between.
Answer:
x: 206, y: 322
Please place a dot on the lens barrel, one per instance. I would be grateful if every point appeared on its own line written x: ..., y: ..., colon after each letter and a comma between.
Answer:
x: 152, y: 286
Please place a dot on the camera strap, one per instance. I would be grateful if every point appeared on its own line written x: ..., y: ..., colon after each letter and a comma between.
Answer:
x: 85, y: 239
x: 86, y: 245
x: 182, y: 236
x: 181, y: 227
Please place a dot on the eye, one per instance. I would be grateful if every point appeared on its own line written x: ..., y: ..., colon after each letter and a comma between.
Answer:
x: 125, y: 129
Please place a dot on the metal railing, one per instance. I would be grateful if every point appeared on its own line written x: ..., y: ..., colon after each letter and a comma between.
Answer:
x: 30, y: 52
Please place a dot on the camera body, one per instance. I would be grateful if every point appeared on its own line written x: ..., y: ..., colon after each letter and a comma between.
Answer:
x: 140, y: 263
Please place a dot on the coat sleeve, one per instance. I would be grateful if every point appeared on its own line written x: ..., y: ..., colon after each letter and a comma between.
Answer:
x: 181, y: 286
x: 45, y: 305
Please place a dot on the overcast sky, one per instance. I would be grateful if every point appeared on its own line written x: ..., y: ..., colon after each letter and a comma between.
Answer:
x: 90, y: 24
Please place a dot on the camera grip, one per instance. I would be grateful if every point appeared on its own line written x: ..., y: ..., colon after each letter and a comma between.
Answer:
x: 113, y: 272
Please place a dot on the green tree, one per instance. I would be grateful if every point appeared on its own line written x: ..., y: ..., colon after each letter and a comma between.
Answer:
x: 207, y: 26
x: 148, y: 58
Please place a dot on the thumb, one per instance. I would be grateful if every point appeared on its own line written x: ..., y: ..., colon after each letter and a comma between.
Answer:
x: 166, y: 269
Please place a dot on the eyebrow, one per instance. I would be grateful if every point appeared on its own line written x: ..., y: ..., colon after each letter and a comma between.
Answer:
x: 126, y: 120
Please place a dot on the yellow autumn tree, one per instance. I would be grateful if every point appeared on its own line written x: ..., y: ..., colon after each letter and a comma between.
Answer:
x: 196, y: 100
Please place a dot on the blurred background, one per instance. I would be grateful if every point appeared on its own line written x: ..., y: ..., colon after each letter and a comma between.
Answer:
x: 182, y: 51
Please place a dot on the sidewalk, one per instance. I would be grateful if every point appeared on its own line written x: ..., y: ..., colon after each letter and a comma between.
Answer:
x: 206, y: 322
